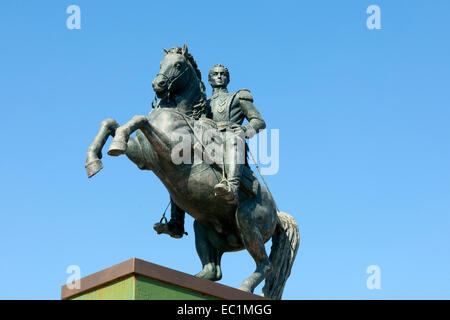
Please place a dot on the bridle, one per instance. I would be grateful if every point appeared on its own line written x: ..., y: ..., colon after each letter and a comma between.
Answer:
x: 171, y: 80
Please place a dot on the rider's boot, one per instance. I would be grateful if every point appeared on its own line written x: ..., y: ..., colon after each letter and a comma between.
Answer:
x: 175, y: 227
x: 229, y: 189
x: 172, y: 228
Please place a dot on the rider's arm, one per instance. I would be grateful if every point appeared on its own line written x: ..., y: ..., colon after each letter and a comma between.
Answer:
x: 255, y: 121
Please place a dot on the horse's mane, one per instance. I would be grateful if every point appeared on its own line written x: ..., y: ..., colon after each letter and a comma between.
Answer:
x: 200, y: 108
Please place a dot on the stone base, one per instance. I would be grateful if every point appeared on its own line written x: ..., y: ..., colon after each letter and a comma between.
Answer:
x: 136, y: 279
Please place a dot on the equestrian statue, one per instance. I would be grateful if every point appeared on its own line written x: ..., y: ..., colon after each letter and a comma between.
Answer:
x: 232, y: 210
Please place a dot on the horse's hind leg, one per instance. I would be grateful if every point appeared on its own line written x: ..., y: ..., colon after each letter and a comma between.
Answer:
x: 254, y: 243
x: 94, y: 154
x: 206, y: 241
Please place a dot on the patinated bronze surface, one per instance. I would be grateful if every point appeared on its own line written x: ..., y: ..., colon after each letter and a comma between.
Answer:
x: 228, y: 110
x: 221, y: 225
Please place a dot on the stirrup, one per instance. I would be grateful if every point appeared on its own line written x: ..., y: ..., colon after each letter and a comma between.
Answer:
x: 224, y: 191
x: 160, y: 227
x: 222, y: 188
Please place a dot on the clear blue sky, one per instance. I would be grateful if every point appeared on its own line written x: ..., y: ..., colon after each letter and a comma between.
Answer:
x: 364, y: 138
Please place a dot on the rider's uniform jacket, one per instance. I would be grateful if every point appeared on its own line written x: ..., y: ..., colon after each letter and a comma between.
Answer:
x: 228, y: 108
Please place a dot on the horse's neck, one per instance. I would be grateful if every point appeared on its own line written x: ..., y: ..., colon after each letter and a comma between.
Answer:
x: 189, y: 97
x: 183, y: 103
x: 164, y: 123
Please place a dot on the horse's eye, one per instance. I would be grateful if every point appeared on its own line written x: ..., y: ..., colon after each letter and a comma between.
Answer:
x: 178, y: 65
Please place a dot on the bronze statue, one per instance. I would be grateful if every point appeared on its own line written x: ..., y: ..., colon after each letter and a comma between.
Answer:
x: 220, y: 225
x: 228, y: 110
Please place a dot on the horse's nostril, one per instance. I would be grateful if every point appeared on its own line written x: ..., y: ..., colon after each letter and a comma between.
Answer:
x: 162, y: 83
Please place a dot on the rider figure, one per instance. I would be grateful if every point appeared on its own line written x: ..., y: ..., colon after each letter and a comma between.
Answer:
x: 228, y: 110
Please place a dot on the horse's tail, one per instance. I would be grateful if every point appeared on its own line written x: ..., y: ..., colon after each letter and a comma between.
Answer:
x: 285, y: 242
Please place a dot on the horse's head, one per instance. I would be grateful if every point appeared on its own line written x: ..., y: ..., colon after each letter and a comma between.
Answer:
x: 175, y: 72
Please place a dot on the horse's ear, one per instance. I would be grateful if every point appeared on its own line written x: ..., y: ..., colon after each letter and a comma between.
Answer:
x: 184, y: 50
x: 165, y: 51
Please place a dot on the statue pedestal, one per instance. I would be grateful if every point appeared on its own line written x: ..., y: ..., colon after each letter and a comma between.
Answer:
x: 136, y: 279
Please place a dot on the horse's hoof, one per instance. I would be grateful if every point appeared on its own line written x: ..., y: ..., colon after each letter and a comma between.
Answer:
x: 117, y: 148
x: 93, y: 167
x: 246, y: 288
x: 207, y: 274
x: 218, y: 274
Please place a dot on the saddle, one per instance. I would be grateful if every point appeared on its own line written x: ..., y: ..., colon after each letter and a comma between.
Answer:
x: 249, y: 182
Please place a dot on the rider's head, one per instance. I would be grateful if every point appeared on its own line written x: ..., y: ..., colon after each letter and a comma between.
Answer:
x: 218, y: 76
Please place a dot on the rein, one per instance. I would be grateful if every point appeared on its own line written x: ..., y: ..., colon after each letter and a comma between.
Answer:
x: 170, y: 80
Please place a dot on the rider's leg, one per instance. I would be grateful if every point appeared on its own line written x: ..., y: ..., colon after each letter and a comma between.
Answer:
x: 234, y: 159
x: 176, y: 223
x: 175, y: 227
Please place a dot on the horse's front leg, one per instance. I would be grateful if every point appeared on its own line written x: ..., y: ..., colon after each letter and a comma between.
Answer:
x: 119, y: 144
x: 94, y: 154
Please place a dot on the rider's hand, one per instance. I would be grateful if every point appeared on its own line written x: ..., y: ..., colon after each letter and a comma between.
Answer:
x: 237, y: 129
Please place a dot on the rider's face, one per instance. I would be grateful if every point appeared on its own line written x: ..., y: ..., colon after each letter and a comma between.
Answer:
x: 218, y: 77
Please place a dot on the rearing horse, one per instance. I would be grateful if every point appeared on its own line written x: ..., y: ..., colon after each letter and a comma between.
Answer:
x: 219, y: 227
